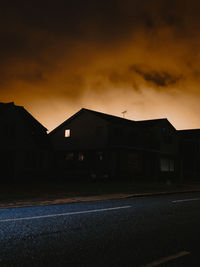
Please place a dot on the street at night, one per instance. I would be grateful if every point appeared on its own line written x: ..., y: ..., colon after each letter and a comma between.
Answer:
x: 125, y: 232
x: 99, y: 133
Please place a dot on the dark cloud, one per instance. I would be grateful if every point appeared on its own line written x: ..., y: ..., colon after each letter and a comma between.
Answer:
x: 30, y: 76
x: 65, y: 49
x: 32, y: 26
x: 160, y: 79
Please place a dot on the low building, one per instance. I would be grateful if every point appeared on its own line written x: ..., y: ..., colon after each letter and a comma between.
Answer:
x: 102, y: 145
x: 189, y: 154
x: 24, y: 144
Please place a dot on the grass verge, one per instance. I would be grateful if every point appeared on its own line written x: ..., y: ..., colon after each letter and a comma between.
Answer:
x: 81, y: 189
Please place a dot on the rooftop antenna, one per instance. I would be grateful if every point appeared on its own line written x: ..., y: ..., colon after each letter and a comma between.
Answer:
x: 124, y: 112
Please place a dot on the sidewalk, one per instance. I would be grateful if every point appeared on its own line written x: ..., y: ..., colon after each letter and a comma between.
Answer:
x: 53, y: 200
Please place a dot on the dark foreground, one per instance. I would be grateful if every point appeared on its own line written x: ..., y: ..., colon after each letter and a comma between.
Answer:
x: 53, y: 190
x: 128, y: 232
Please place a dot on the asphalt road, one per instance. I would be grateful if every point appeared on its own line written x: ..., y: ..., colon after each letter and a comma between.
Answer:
x: 128, y: 232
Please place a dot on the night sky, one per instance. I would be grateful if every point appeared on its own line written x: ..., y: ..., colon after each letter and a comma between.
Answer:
x: 142, y: 56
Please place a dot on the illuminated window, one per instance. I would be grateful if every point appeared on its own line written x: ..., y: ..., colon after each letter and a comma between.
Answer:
x: 67, y: 133
x: 100, y: 155
x: 80, y: 157
x: 69, y: 156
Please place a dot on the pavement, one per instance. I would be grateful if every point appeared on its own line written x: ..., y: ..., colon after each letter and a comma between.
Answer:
x: 57, y: 199
x: 160, y: 230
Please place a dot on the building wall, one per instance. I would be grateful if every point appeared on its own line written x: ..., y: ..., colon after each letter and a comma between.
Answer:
x: 87, y: 131
x: 166, y: 146
x: 190, y: 155
x: 131, y: 150
x: 164, y: 136
x: 19, y: 151
x: 123, y: 135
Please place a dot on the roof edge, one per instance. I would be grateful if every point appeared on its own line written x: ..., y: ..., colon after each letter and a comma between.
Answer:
x: 67, y: 120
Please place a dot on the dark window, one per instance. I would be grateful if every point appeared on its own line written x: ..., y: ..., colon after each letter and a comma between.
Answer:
x: 167, y: 165
x: 99, y: 155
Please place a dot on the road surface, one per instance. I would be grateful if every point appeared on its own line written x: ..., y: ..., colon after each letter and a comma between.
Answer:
x: 149, y: 231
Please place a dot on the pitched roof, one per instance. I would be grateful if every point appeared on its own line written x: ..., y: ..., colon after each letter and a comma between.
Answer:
x: 191, y: 132
x: 110, y: 118
x: 151, y: 122
x: 107, y: 117
x: 114, y: 119
x: 4, y: 107
x: 28, y: 119
x: 147, y: 123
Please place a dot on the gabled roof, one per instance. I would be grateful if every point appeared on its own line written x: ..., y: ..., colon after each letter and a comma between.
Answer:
x: 115, y: 120
x: 104, y: 116
x: 109, y: 118
x: 4, y: 107
x: 28, y: 119
x: 189, y: 132
x: 149, y: 123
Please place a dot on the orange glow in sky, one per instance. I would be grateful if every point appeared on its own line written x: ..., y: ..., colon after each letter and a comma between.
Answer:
x: 139, y: 56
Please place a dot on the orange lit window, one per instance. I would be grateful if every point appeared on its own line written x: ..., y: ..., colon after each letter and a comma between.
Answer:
x: 80, y: 157
x: 100, y: 155
x: 67, y: 133
x: 69, y: 156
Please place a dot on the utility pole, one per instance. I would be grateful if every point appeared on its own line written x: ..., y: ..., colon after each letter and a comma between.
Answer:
x: 124, y: 112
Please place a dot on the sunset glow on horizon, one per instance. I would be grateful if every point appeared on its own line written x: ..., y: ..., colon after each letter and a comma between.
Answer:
x: 139, y: 56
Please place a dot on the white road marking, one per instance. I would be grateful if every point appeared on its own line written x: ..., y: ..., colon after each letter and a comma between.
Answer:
x: 184, y: 200
x: 63, y: 214
x: 166, y: 259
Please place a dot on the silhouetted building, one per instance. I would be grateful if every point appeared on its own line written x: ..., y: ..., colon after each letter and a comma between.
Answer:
x: 190, y: 154
x: 24, y: 144
x: 102, y: 145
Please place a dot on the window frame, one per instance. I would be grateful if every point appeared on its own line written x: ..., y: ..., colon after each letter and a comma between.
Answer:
x: 67, y: 133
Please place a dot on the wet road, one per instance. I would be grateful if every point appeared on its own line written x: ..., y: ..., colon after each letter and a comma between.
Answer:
x: 127, y: 232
